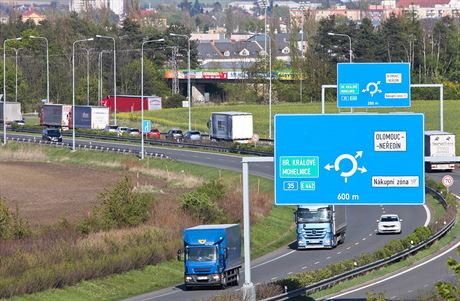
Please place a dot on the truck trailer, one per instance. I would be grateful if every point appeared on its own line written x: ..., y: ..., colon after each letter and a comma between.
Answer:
x: 13, y: 111
x: 56, y: 115
x: 320, y: 226
x: 212, y: 255
x: 89, y: 117
x: 440, y: 147
x: 231, y: 126
x: 131, y: 103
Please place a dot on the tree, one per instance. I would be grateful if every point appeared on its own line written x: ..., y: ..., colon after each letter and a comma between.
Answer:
x: 450, y: 291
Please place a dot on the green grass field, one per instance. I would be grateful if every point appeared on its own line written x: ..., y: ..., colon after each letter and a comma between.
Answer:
x: 168, y: 118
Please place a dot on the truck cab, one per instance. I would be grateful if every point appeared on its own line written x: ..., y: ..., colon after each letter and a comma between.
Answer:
x: 321, y: 226
x: 212, y: 255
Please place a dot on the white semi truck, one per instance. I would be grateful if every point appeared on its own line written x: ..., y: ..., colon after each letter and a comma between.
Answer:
x: 439, y: 150
x: 231, y: 126
x: 320, y: 226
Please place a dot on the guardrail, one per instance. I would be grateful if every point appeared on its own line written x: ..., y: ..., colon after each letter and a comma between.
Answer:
x: 160, y: 142
x: 365, y: 268
x: 90, y: 147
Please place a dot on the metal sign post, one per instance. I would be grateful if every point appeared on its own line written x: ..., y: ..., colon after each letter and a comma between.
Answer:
x: 249, y: 290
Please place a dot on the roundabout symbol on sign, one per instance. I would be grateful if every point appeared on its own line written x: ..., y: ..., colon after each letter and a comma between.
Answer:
x: 354, y: 163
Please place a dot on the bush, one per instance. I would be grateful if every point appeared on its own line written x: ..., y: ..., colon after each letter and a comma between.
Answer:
x: 121, y: 207
x: 200, y: 206
x: 174, y: 101
x: 12, y: 225
x: 214, y: 190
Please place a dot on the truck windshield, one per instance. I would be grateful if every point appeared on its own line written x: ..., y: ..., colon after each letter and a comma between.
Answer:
x: 201, y: 254
x: 321, y: 216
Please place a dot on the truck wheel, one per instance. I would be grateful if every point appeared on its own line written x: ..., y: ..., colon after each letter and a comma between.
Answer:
x: 342, y: 238
x: 223, y: 282
x: 237, y: 279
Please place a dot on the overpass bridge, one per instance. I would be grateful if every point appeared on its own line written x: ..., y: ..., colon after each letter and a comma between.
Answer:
x: 199, y: 78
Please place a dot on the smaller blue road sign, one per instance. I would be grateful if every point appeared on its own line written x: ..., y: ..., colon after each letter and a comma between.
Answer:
x: 147, y: 127
x: 364, y: 85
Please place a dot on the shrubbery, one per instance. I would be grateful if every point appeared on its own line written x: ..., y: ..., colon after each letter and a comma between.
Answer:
x: 202, y: 205
x: 12, y: 225
x: 121, y: 207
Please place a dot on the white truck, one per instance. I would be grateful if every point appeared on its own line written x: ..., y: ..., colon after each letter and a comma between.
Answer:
x: 320, y: 226
x: 13, y: 112
x: 439, y: 150
x: 231, y: 126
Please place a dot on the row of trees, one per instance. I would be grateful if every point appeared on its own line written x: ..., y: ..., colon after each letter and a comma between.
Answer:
x: 432, y: 48
x: 61, y: 33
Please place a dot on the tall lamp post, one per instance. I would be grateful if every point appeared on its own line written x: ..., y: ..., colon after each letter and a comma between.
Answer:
x: 349, y: 38
x: 100, y: 75
x: 87, y: 74
x: 142, y: 92
x: 16, y: 50
x: 302, y: 9
x: 265, y: 5
x: 270, y: 84
x: 73, y: 88
x: 114, y: 75
x: 189, y: 89
x: 4, y: 86
x: 47, y: 67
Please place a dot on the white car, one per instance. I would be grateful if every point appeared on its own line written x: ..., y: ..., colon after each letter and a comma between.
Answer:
x: 389, y: 223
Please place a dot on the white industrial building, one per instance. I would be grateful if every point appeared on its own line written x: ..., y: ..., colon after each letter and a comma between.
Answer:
x: 117, y: 6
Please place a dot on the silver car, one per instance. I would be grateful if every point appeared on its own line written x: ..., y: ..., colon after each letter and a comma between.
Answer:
x: 192, y: 136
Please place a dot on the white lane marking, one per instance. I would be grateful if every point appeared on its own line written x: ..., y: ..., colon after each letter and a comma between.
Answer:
x: 271, y: 260
x: 383, y: 211
x: 273, y: 278
x: 289, y: 273
x: 338, y: 253
x: 370, y: 234
x: 428, y: 216
x: 317, y: 262
x: 356, y: 243
x: 375, y: 230
x: 152, y: 298
x: 410, y: 291
x: 426, y: 285
x: 348, y: 248
x: 398, y: 274
x: 393, y: 297
x: 328, y: 257
x: 364, y: 238
x: 303, y: 268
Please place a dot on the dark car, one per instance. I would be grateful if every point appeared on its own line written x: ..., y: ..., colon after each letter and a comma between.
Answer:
x: 154, y: 133
x: 192, y: 136
x: 53, y: 135
x: 175, y: 134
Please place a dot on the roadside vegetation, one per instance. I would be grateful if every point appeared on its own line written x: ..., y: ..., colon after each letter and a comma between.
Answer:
x: 420, y: 234
x: 130, y: 228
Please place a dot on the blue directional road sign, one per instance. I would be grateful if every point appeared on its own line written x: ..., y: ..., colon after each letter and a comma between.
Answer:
x: 147, y: 126
x: 349, y: 159
x: 364, y: 85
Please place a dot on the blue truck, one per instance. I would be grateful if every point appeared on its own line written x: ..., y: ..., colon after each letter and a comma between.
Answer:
x: 212, y: 255
x: 320, y: 226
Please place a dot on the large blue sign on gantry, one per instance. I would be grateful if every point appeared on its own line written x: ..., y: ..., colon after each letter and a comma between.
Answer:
x: 351, y: 159
x: 373, y: 85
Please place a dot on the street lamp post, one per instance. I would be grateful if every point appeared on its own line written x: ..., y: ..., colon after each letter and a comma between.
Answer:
x: 270, y: 85
x: 142, y: 92
x: 4, y: 86
x: 16, y: 50
x: 189, y: 89
x: 302, y: 8
x: 114, y: 75
x: 87, y: 75
x: 349, y: 38
x: 100, y: 75
x: 47, y: 67
x: 73, y: 88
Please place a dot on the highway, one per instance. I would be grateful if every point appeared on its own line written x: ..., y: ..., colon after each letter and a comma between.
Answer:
x: 360, y: 238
